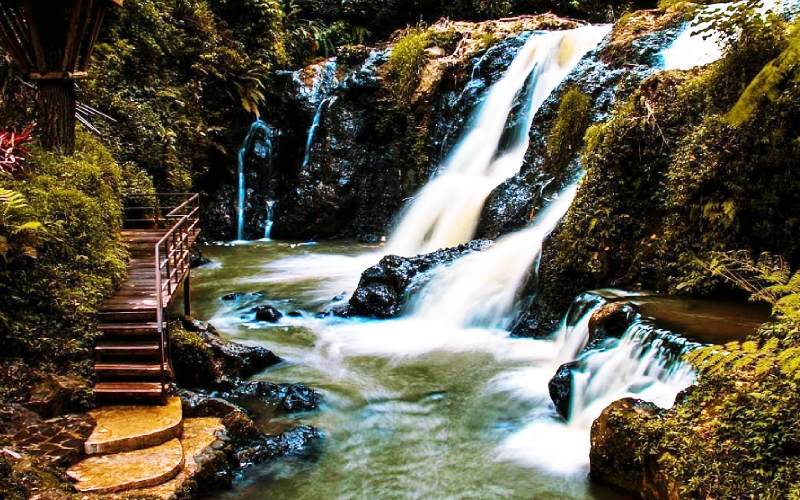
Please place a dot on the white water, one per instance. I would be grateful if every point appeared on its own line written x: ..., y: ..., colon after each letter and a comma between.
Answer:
x: 446, y: 211
x: 697, y: 46
x: 481, y: 288
x: 261, y: 149
x: 628, y: 367
x: 270, y: 219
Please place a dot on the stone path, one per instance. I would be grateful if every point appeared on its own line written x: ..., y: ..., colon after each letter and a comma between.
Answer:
x: 149, y: 451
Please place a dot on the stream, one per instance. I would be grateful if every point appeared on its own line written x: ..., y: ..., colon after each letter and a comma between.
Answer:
x: 408, y: 414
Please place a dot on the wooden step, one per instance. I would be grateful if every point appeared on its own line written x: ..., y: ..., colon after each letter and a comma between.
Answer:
x: 129, y: 390
x: 128, y: 348
x: 136, y: 370
x: 129, y: 329
x: 144, y: 315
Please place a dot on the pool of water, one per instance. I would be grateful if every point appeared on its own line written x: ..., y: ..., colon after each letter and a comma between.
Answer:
x: 410, y: 411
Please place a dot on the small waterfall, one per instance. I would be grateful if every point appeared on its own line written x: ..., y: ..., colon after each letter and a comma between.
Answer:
x: 312, y: 130
x: 481, y: 288
x: 447, y: 210
x: 270, y: 219
x: 635, y: 365
x: 258, y: 140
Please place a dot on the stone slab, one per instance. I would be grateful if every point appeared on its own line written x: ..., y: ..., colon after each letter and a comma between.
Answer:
x: 128, y: 470
x: 126, y: 428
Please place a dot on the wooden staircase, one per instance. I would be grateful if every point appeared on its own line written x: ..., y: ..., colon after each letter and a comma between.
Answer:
x: 132, y: 361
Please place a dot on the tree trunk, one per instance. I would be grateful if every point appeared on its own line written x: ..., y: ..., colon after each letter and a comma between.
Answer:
x: 56, y: 115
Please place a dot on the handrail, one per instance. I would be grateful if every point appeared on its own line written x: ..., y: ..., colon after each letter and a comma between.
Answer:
x: 172, y: 251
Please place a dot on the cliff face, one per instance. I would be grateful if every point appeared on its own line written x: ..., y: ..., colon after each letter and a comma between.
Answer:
x: 368, y: 144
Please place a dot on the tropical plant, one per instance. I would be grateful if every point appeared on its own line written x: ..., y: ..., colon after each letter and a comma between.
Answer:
x: 13, y: 152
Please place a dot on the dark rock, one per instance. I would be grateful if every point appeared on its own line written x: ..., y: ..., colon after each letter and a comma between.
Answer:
x: 56, y: 395
x: 203, y: 359
x: 612, y: 320
x: 383, y: 289
x: 285, y: 397
x: 238, y: 296
x: 560, y: 387
x: 617, y: 440
x: 56, y: 441
x: 197, y: 259
x: 268, y: 313
x: 296, y: 441
x: 295, y: 314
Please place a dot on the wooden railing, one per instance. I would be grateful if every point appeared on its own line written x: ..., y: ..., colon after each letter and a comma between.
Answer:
x: 179, y: 215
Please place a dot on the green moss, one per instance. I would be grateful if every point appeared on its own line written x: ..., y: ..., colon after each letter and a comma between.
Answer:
x: 769, y: 83
x: 566, y: 136
x: 408, y: 58
x: 193, y: 359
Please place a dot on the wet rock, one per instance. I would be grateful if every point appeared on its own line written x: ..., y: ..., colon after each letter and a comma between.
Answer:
x: 617, y: 438
x: 560, y: 387
x: 268, y: 313
x: 384, y: 288
x: 203, y: 359
x: 296, y: 441
x: 239, y: 296
x: 285, y: 397
x: 611, y: 321
x: 56, y: 395
x: 295, y: 314
x: 197, y: 259
x: 240, y: 427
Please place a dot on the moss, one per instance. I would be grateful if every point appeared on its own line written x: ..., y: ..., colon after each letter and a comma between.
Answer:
x: 50, y: 295
x: 407, y: 59
x: 193, y: 359
x: 409, y: 56
x: 769, y: 82
x: 565, y: 139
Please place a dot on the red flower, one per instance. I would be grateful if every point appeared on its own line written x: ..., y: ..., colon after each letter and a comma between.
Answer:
x: 13, y: 151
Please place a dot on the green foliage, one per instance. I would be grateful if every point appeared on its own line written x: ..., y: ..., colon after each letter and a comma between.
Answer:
x: 669, y: 179
x: 566, y: 136
x: 75, y: 258
x: 176, y: 74
x: 408, y: 58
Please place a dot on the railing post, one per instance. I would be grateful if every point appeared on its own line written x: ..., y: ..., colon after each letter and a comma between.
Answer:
x: 187, y: 295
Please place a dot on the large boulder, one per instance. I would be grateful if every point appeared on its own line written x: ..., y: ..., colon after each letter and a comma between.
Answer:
x: 204, y: 359
x: 618, y: 438
x: 267, y: 313
x: 611, y: 321
x: 385, y: 287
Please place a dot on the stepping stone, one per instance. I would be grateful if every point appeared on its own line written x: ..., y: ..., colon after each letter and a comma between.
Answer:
x: 127, y: 428
x: 200, y: 436
x: 131, y: 469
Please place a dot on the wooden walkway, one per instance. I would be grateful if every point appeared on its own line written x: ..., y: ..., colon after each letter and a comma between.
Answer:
x: 132, y: 359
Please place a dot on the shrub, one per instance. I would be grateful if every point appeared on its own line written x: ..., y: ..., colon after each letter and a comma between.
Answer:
x: 50, y: 295
x: 565, y: 139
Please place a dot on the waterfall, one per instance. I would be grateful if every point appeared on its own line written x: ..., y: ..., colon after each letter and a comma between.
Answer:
x: 270, y: 219
x: 447, y: 210
x: 635, y: 365
x: 481, y: 288
x: 696, y: 45
x: 257, y: 139
x: 312, y: 130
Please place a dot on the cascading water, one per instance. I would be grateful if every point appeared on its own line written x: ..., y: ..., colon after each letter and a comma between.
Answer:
x: 447, y: 210
x: 635, y: 365
x: 489, y: 301
x: 270, y: 219
x: 258, y: 140
x: 698, y: 44
x: 312, y: 130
